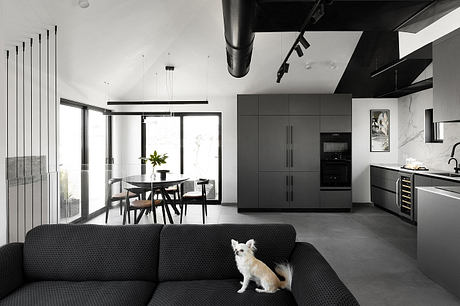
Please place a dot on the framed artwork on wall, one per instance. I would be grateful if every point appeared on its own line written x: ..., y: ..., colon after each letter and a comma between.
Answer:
x: 380, y: 130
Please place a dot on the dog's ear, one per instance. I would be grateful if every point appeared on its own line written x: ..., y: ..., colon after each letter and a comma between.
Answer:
x: 251, y: 244
x: 234, y: 243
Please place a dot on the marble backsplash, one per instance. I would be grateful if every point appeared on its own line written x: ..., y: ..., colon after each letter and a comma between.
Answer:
x: 411, y: 110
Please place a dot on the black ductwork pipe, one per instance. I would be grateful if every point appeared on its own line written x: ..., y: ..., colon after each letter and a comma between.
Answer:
x: 239, y: 37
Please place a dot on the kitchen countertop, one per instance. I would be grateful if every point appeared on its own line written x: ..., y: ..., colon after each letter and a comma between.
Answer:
x: 452, y: 192
x: 431, y: 172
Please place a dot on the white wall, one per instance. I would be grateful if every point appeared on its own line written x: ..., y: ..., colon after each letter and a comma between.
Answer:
x: 362, y: 156
x: 127, y: 138
x: 2, y: 134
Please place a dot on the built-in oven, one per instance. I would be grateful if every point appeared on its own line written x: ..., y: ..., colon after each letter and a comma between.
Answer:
x: 335, y: 160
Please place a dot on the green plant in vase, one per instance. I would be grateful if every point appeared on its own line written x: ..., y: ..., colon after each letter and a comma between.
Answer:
x: 155, y: 159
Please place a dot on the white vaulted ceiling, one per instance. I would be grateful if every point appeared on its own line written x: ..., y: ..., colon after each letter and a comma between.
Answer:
x: 107, y: 42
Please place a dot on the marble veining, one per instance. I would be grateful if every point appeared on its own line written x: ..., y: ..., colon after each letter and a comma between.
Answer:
x: 411, y: 140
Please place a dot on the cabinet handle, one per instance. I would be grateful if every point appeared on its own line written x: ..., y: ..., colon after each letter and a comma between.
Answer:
x: 397, y: 192
x: 292, y: 188
x: 287, y: 188
x: 292, y: 157
x: 287, y: 146
x: 292, y: 129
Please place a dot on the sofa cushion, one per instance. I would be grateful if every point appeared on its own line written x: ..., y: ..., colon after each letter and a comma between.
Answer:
x: 92, y: 252
x: 197, y: 252
x: 53, y: 293
x: 216, y: 292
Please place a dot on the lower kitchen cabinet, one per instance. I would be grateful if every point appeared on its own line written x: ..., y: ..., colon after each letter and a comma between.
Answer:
x: 274, y: 190
x: 282, y: 189
x: 304, y: 190
x: 335, y: 199
x: 385, y: 199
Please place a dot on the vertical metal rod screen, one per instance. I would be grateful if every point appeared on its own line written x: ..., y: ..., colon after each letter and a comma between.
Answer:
x: 32, y: 135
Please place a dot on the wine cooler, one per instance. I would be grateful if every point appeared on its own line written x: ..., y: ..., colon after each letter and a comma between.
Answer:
x: 405, y: 197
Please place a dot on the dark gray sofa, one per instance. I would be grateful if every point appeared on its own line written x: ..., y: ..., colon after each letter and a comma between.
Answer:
x: 158, y: 265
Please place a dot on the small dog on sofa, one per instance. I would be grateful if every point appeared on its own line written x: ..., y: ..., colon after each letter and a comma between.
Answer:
x: 255, y: 270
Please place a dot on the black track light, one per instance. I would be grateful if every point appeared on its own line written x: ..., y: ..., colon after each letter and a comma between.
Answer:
x: 286, y: 68
x: 304, y: 42
x: 299, y: 51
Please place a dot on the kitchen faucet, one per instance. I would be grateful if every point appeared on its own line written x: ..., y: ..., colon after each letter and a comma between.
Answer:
x: 456, y: 168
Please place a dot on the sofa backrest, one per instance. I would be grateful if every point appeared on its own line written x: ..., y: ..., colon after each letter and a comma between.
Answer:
x: 92, y: 252
x: 194, y: 252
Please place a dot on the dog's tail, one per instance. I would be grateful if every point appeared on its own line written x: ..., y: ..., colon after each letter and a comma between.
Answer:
x: 286, y: 271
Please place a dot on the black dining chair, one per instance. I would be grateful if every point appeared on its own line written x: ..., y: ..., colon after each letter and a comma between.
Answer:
x: 117, y: 197
x: 195, y: 197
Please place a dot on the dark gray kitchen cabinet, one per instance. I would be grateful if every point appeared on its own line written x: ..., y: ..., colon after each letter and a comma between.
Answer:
x: 336, y: 105
x: 383, y: 188
x: 304, y: 189
x: 305, y: 143
x: 334, y: 124
x: 248, y: 105
x: 248, y: 151
x: 274, y: 143
x: 446, y: 73
x: 274, y: 189
x: 275, y: 105
x: 279, y: 149
x: 335, y: 198
x: 385, y: 199
x: 304, y: 105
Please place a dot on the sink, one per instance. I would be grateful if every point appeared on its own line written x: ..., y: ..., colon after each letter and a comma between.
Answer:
x: 448, y: 174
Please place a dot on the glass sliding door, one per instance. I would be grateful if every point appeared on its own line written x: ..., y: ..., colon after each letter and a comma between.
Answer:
x: 164, y: 137
x: 70, y: 157
x: 83, y: 149
x: 96, y: 160
x: 193, y: 144
x: 201, y: 150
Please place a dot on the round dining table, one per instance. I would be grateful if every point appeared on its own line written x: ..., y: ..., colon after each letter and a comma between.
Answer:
x: 154, y: 182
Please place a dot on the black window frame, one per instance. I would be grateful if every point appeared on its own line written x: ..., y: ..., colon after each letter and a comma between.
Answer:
x: 181, y: 115
x: 85, y: 108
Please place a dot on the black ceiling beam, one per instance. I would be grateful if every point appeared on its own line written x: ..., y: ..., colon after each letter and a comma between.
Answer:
x: 156, y: 102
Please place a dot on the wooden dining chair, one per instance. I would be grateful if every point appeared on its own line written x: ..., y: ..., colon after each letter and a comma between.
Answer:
x: 117, y: 197
x: 195, y: 197
x: 145, y: 206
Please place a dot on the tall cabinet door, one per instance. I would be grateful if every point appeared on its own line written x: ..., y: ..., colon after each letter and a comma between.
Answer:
x: 305, y: 148
x: 273, y: 143
x: 274, y: 189
x: 304, y: 189
x: 248, y: 153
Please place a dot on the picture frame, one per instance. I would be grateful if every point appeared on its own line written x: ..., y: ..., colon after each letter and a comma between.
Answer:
x: 379, y: 130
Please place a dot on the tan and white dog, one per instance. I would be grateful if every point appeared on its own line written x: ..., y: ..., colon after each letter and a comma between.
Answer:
x: 255, y: 270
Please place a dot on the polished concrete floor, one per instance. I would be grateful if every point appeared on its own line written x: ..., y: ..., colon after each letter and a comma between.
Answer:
x: 372, y: 251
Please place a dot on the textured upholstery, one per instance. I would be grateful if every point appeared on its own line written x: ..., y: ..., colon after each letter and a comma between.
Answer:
x: 92, y: 252
x: 215, y: 292
x: 91, y: 293
x: 314, y: 281
x: 197, y: 252
x: 11, y: 273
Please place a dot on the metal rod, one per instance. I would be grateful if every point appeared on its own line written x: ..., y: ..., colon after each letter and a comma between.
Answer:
x: 40, y: 121
x: 302, y: 32
x: 48, y: 118
x: 31, y: 130
x: 24, y: 134
x: 154, y: 102
x: 17, y: 140
x: 7, y: 147
x: 56, y: 119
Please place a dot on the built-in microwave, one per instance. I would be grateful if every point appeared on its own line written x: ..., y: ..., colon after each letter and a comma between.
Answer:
x: 335, y: 160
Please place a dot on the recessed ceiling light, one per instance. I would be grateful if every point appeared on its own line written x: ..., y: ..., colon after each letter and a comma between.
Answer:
x: 333, y: 66
x: 308, y: 66
x: 83, y: 3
